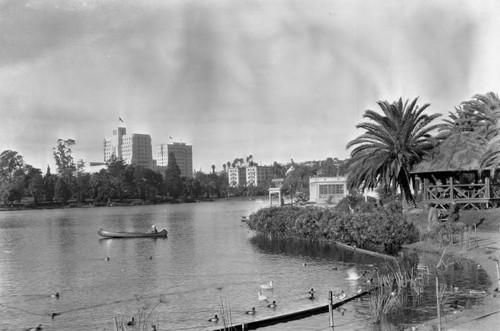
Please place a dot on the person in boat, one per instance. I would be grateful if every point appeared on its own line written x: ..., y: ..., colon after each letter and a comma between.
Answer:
x: 153, y: 229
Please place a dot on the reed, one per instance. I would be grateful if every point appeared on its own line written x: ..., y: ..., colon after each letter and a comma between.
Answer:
x: 225, y: 311
x: 399, y: 286
x: 142, y: 321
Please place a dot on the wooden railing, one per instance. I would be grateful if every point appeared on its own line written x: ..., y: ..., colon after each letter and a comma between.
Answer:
x: 457, y: 192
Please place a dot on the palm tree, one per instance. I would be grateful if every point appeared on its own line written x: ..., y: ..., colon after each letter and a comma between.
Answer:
x: 485, y: 113
x: 393, y: 143
x: 458, y: 122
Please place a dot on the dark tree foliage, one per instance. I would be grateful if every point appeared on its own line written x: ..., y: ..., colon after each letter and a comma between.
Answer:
x: 34, y: 183
x: 12, y: 176
x: 381, y: 229
x: 173, y: 180
x: 49, y: 185
x: 62, y: 190
x: 63, y: 155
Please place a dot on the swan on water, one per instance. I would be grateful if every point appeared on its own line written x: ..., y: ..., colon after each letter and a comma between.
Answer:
x: 340, y: 295
x: 262, y: 297
x: 353, y: 275
x: 267, y: 286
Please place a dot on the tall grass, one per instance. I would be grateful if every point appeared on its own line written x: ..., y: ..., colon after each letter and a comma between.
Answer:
x: 143, y: 320
x: 400, y: 285
x: 225, y: 311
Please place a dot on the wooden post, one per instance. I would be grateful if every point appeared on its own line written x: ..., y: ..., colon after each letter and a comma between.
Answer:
x: 424, y: 190
x: 330, y: 308
x: 487, y: 183
x: 498, y: 276
x: 452, y: 194
x: 475, y: 235
x: 438, y: 305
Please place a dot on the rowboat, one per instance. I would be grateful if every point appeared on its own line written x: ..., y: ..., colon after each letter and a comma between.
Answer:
x: 113, y: 234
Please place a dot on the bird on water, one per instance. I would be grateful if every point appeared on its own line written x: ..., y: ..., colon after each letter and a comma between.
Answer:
x: 311, y: 294
x: 250, y: 312
x: 267, y: 286
x: 262, y: 297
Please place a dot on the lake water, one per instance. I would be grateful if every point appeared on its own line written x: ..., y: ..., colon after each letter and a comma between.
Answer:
x: 210, y: 259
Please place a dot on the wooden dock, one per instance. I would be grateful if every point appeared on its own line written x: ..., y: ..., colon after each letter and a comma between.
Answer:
x: 253, y: 325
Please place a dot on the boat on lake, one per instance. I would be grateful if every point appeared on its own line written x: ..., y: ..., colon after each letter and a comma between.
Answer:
x: 113, y: 234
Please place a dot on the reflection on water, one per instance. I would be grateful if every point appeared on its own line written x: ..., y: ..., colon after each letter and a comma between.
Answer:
x: 209, y: 257
x: 312, y: 250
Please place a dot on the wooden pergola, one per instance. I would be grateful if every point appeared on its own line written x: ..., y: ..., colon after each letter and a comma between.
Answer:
x: 452, y: 174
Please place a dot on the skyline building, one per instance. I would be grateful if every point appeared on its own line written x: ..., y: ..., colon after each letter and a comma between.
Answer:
x: 183, y: 156
x: 132, y: 149
x: 236, y: 176
x: 257, y: 175
x: 254, y: 175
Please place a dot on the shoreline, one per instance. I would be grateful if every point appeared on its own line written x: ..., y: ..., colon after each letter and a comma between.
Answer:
x: 131, y: 203
x: 485, y: 316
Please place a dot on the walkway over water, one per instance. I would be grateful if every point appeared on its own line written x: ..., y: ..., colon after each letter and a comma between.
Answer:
x: 290, y: 316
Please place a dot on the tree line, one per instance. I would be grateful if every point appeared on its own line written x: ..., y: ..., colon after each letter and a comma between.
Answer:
x: 120, y: 182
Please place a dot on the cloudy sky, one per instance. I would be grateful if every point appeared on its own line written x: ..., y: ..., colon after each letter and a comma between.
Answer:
x: 275, y: 79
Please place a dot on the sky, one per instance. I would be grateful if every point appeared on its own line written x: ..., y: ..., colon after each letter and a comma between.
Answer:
x: 273, y: 79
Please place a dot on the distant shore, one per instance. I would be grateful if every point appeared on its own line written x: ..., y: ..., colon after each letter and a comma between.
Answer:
x: 131, y: 203
x: 124, y: 203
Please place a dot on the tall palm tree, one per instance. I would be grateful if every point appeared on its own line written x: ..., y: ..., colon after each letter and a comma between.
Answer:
x: 485, y: 112
x: 458, y: 122
x: 484, y: 109
x: 393, y: 143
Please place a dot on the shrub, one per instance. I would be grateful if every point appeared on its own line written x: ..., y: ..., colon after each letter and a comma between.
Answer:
x: 378, y: 229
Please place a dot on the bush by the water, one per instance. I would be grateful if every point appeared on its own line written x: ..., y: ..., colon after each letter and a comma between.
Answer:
x: 382, y: 229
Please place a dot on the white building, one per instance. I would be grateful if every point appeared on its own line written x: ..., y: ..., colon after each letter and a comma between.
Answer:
x: 258, y: 175
x: 132, y: 149
x: 327, y: 189
x: 250, y: 176
x: 236, y: 176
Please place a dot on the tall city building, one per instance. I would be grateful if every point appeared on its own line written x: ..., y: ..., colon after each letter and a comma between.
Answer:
x: 254, y: 175
x: 132, y: 149
x: 257, y: 175
x: 236, y: 176
x: 183, y: 156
